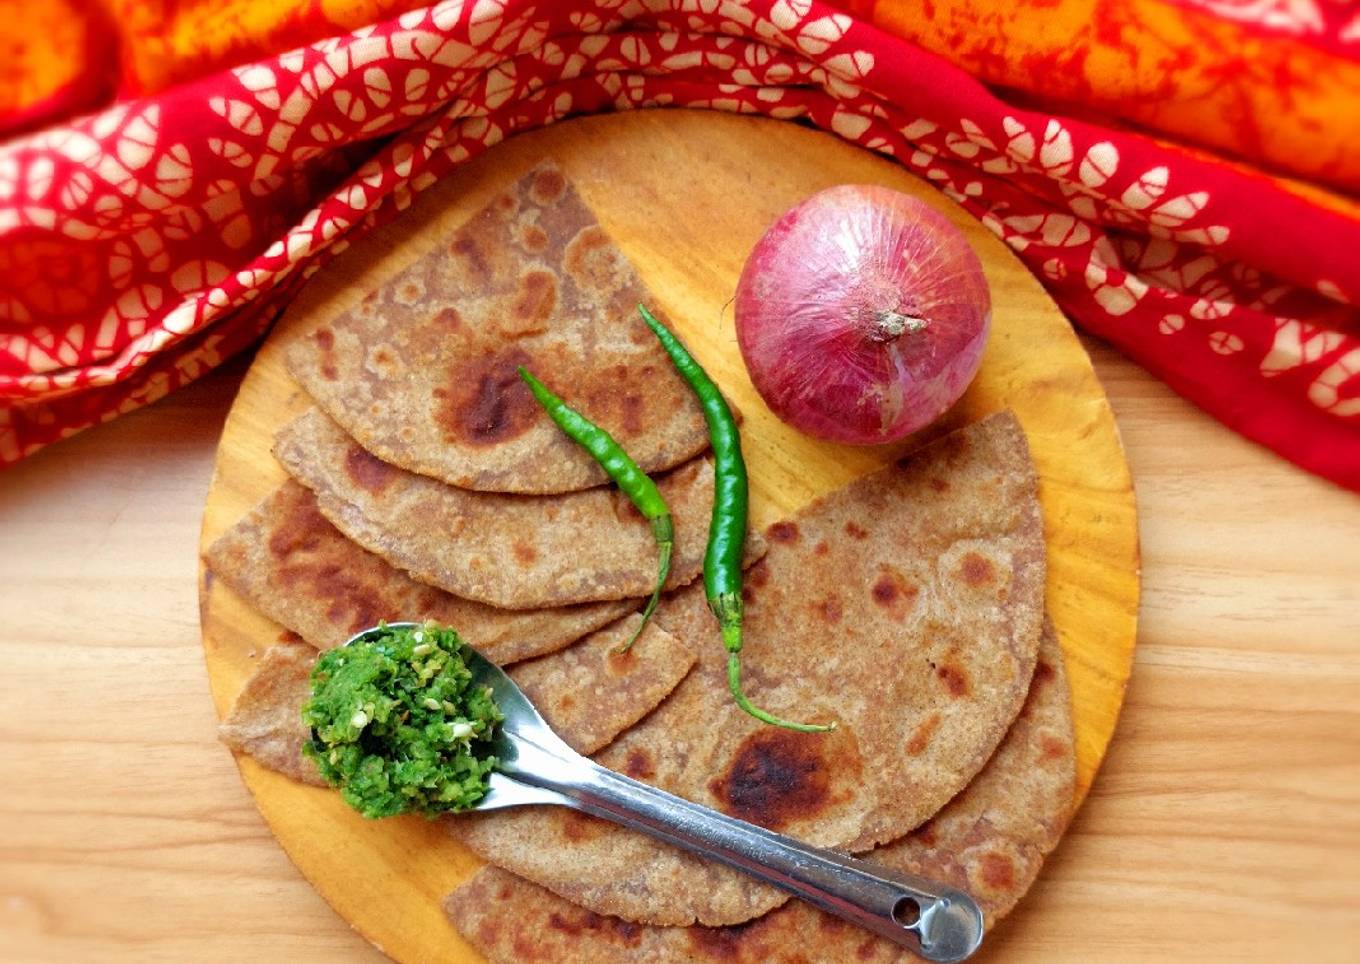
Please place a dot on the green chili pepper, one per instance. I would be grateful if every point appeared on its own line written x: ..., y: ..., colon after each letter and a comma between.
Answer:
x: 727, y: 529
x: 630, y: 479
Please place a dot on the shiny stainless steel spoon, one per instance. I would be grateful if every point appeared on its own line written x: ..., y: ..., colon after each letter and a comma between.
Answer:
x: 935, y: 922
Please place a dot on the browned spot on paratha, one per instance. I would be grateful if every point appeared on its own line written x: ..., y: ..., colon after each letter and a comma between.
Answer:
x: 955, y: 679
x: 976, y: 571
x: 621, y: 662
x: 299, y: 529
x: 722, y: 943
x: 627, y: 410
x: 484, y: 401
x: 587, y: 922
x: 997, y: 871
x: 592, y: 261
x: 470, y: 251
x: 785, y: 532
x: 639, y: 765
x: 856, y: 531
x: 578, y: 827
x: 548, y: 187
x: 829, y: 609
x: 632, y: 410
x: 920, y: 737
x: 1054, y: 749
x: 532, y: 238
x: 384, y: 361
x: 534, y: 302
x: 893, y: 592
x: 325, y: 343
x: 365, y: 471
x: 777, y: 776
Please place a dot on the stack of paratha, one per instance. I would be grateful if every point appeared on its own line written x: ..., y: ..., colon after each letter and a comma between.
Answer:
x: 908, y: 606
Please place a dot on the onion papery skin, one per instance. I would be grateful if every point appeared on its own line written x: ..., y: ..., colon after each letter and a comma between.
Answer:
x: 862, y: 315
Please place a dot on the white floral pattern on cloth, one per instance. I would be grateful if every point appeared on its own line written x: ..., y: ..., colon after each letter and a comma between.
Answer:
x: 1333, y: 24
x: 142, y: 246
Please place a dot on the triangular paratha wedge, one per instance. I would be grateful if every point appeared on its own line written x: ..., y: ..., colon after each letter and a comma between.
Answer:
x: 510, y: 551
x: 423, y: 371
x: 291, y: 564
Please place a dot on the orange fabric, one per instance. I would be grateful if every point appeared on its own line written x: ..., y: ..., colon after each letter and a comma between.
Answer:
x: 1282, y: 102
x: 167, y: 42
x: 56, y: 59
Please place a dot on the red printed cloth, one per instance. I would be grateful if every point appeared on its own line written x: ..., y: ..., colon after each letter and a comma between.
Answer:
x: 142, y: 246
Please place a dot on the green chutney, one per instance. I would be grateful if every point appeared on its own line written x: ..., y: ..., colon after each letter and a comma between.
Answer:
x: 398, y: 725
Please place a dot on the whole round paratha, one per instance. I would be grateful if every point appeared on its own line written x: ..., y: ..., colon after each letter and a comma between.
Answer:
x: 906, y: 605
x: 423, y: 371
x: 991, y: 841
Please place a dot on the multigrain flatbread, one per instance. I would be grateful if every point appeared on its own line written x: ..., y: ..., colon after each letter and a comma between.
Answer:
x: 511, y: 551
x: 990, y: 841
x: 906, y: 605
x: 588, y: 693
x: 423, y: 371
x: 265, y: 722
x: 292, y: 565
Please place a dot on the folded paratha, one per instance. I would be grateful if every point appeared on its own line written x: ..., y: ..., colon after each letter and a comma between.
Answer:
x: 423, y: 371
x: 511, y: 551
x: 906, y: 605
x: 292, y: 565
x: 990, y: 841
x: 266, y: 720
x: 588, y: 693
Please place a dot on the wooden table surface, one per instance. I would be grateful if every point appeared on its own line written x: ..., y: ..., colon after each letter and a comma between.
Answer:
x: 1225, y: 824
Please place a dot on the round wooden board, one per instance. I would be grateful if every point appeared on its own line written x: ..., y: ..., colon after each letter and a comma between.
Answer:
x: 686, y: 194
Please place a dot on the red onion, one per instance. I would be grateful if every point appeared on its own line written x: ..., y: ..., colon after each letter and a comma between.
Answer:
x: 862, y: 315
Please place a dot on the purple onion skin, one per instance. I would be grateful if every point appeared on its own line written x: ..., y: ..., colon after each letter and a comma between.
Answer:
x: 862, y: 315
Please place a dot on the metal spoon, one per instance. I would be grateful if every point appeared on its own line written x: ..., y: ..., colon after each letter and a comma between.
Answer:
x: 935, y: 922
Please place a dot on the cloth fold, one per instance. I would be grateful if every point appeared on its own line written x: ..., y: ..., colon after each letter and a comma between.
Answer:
x: 142, y: 245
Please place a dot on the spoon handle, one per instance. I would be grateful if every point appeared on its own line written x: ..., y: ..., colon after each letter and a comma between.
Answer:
x: 935, y: 922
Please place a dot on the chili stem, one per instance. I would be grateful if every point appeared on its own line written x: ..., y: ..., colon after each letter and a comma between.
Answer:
x: 664, y: 533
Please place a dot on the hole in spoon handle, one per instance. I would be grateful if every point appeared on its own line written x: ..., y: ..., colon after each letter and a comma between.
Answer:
x: 949, y: 926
